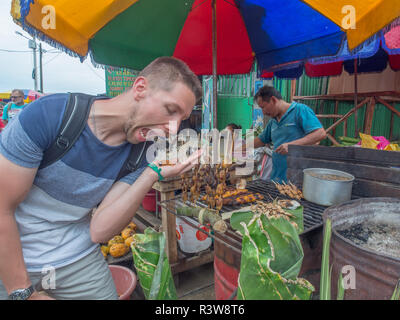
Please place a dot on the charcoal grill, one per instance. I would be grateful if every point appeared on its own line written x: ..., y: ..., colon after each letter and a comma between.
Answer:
x: 312, y: 212
x: 228, y: 245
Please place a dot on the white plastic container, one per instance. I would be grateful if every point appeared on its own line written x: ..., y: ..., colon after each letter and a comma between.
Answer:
x: 190, y: 239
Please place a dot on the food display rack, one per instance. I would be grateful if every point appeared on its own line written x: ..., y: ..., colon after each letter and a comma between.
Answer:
x: 178, y: 261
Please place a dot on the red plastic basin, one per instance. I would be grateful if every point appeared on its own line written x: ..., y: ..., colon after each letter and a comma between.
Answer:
x: 225, y: 279
x: 125, y: 281
x: 149, y: 202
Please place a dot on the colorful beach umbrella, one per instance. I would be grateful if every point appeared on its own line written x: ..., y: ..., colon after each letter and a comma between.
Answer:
x: 33, y: 95
x: 131, y: 33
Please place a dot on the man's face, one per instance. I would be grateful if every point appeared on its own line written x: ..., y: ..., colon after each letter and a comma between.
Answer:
x: 160, y: 113
x: 269, y: 108
x: 17, y: 98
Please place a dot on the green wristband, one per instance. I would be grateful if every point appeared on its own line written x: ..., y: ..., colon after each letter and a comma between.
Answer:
x: 157, y: 170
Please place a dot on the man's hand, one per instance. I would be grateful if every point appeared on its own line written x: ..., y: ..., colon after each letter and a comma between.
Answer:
x: 283, y: 149
x: 180, y: 168
x: 310, y: 139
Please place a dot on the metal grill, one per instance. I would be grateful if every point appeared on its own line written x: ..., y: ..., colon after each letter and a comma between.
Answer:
x: 312, y: 212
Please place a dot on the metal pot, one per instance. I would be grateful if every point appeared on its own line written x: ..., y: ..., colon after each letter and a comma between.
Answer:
x: 322, y: 189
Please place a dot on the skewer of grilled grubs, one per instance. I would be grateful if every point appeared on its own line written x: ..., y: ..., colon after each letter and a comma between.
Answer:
x: 243, y: 198
x: 234, y: 197
x: 210, y: 178
x: 289, y: 190
x: 273, y: 210
x: 227, y: 194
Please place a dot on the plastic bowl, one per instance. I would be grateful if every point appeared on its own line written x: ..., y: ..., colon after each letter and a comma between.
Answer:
x: 125, y: 281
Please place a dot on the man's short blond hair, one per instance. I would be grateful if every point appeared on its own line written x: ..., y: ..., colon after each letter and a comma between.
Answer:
x: 164, y: 72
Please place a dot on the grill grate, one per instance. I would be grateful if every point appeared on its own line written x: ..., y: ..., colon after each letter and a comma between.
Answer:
x: 312, y: 212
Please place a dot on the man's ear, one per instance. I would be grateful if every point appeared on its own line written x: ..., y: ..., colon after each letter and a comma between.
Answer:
x: 140, y: 88
x: 274, y: 100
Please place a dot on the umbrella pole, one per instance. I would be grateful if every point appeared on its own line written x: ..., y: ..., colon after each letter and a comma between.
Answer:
x: 214, y: 62
x: 355, y: 99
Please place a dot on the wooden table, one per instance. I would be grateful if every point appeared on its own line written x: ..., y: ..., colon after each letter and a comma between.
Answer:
x: 177, y: 261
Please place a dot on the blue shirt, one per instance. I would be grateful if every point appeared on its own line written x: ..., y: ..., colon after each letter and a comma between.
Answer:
x: 298, y: 121
x: 53, y: 219
x: 11, y: 110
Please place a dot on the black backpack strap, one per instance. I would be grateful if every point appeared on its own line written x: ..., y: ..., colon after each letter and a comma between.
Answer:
x: 73, y: 122
x: 136, y: 159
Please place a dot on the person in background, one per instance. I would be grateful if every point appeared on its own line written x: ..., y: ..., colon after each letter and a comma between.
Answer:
x: 233, y: 126
x: 291, y: 124
x: 14, y: 106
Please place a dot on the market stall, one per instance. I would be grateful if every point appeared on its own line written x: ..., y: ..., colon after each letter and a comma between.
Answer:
x: 375, y: 174
x: 115, y: 33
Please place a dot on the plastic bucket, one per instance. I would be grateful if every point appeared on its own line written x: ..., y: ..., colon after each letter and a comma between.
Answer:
x: 190, y: 239
x: 149, y: 202
x: 125, y: 281
x: 225, y: 279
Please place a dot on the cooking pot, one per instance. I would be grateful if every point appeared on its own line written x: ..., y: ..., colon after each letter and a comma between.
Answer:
x: 327, y: 187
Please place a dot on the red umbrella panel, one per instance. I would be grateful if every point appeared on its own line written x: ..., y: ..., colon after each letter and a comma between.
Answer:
x: 234, y: 52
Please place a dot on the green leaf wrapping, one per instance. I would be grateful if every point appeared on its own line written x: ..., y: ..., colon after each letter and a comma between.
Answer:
x: 271, y: 259
x: 297, y: 218
x: 152, y: 265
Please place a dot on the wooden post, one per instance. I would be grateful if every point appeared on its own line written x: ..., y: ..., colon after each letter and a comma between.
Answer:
x: 292, y: 89
x: 391, y: 126
x: 335, y: 112
x: 169, y: 227
x: 387, y: 105
x: 178, y: 264
x: 355, y: 99
x: 369, y: 115
x: 332, y: 139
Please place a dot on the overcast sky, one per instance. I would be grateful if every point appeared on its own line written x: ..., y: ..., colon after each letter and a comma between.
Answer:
x: 61, y: 72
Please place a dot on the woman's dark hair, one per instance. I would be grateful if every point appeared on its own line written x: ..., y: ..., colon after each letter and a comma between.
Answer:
x: 266, y: 92
x: 234, y: 126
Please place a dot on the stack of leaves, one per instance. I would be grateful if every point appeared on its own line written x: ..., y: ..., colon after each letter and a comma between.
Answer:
x: 152, y: 266
x: 272, y: 255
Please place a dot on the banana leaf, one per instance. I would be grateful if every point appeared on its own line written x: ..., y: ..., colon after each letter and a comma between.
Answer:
x: 152, y: 266
x: 245, y: 216
x: 238, y: 217
x: 271, y: 260
x: 297, y: 218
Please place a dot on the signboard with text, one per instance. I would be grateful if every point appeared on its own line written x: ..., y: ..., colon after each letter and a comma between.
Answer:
x: 119, y: 80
